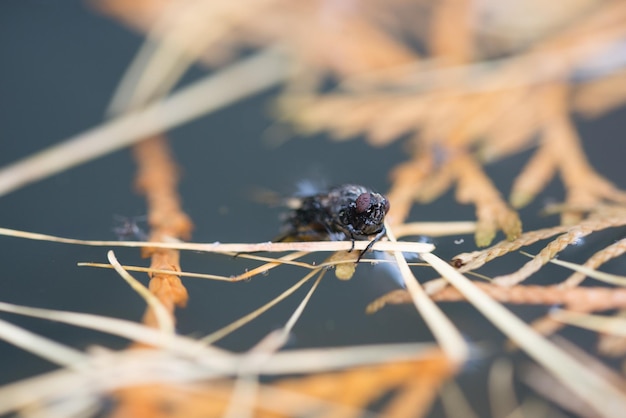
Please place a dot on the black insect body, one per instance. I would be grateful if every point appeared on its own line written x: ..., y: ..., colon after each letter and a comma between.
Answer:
x: 344, y: 212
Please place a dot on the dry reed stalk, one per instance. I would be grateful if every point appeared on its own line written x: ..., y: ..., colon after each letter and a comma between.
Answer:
x: 157, y: 178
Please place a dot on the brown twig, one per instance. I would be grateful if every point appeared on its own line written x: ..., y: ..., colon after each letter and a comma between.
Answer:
x: 157, y: 178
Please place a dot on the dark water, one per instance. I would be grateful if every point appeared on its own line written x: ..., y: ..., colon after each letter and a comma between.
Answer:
x: 60, y: 63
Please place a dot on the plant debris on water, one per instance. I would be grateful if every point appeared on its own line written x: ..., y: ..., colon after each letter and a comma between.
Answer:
x: 487, y: 84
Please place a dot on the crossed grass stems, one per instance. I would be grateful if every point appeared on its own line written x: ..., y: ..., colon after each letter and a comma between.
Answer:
x: 598, y: 391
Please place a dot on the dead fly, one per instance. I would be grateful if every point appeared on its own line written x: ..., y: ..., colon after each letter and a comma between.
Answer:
x: 344, y: 212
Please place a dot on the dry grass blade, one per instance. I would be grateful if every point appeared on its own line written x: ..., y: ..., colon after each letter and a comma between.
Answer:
x: 158, y: 271
x: 241, y: 80
x: 246, y: 387
x: 434, y: 229
x: 222, y: 332
x: 309, y: 246
x: 273, y: 263
x: 600, y: 394
x: 40, y: 346
x: 445, y: 333
x: 112, y: 371
x: 164, y: 320
x: 178, y: 39
x: 133, y: 331
x: 607, y: 325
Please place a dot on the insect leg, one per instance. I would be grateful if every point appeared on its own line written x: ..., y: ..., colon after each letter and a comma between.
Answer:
x: 371, y: 243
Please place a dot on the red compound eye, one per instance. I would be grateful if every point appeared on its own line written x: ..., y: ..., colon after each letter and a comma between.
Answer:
x: 363, y: 202
x: 387, y: 206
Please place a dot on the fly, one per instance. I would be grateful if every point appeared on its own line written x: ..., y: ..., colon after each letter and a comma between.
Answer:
x: 344, y: 212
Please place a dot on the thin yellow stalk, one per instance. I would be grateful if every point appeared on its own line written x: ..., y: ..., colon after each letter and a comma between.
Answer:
x: 222, y: 332
x: 446, y: 334
x: 247, y: 385
x: 164, y: 320
x: 158, y: 271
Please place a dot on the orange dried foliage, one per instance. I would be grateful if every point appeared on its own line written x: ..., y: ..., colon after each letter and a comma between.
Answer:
x: 496, y: 109
x: 456, y: 102
x: 420, y: 180
x: 450, y: 37
x: 407, y: 176
x: 602, y: 217
x: 602, y: 95
x: 342, y: 393
x: 157, y: 179
x: 417, y: 383
x: 162, y: 400
x: 492, y: 213
x: 319, y: 34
